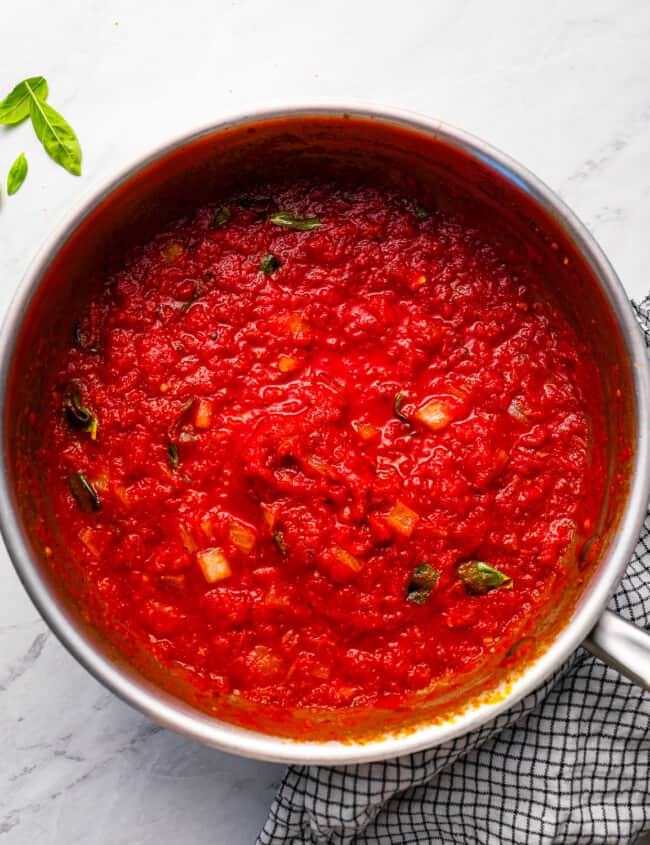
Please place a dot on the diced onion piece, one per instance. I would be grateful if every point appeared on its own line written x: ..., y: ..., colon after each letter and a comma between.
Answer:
x: 207, y: 527
x: 214, y: 565
x: 402, y: 520
x: 366, y: 431
x: 242, y: 536
x: 172, y: 251
x: 187, y: 539
x: 353, y: 563
x: 287, y: 363
x: 101, y: 480
x: 275, y: 597
x: 122, y: 494
x: 263, y: 660
x: 502, y: 458
x: 268, y: 516
x: 298, y: 326
x: 265, y: 575
x: 517, y: 412
x: 459, y: 392
x: 320, y: 671
x: 92, y: 540
x: 320, y: 466
x: 203, y: 413
x: 308, y: 666
x: 435, y: 415
x: 175, y: 581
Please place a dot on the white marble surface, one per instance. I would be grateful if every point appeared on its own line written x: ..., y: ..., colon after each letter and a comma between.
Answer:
x: 564, y: 87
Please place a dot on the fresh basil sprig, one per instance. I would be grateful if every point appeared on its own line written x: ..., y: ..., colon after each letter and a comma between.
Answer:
x: 85, y: 341
x: 221, y: 217
x: 421, y: 583
x: 29, y: 99
x: 172, y: 456
x: 17, y: 174
x: 269, y: 264
x: 278, y: 538
x: 77, y: 414
x: 288, y: 220
x: 177, y: 423
x: 84, y: 493
x: 397, y: 407
x: 480, y: 578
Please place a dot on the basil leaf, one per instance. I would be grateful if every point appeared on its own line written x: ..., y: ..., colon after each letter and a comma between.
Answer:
x: 56, y: 135
x: 78, y: 415
x: 589, y: 552
x: 279, y: 542
x: 288, y: 220
x: 85, y: 494
x: 397, y: 405
x: 480, y: 578
x: 221, y: 217
x: 269, y: 264
x: 422, y: 582
x: 259, y: 205
x: 17, y: 174
x: 84, y: 342
x: 421, y: 212
x: 175, y: 428
x: 15, y: 106
x: 172, y: 454
x: 525, y: 644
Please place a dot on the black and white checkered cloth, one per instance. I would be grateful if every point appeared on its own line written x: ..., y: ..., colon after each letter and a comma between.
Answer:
x: 568, y: 764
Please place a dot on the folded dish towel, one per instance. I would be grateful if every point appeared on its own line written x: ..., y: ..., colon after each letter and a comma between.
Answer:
x: 568, y: 764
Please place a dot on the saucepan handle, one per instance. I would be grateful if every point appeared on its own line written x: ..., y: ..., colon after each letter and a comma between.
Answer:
x: 622, y: 646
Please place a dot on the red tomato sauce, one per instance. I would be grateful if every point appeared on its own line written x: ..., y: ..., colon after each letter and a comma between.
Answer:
x: 324, y: 466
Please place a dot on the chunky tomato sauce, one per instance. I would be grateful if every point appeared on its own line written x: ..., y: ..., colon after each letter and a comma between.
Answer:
x: 323, y: 447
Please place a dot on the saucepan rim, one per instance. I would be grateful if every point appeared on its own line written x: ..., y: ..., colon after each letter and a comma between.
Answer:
x: 181, y: 717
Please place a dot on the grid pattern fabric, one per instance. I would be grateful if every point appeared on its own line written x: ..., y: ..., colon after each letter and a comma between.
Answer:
x: 569, y: 763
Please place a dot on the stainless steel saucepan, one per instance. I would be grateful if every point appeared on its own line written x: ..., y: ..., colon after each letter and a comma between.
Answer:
x: 408, y: 152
